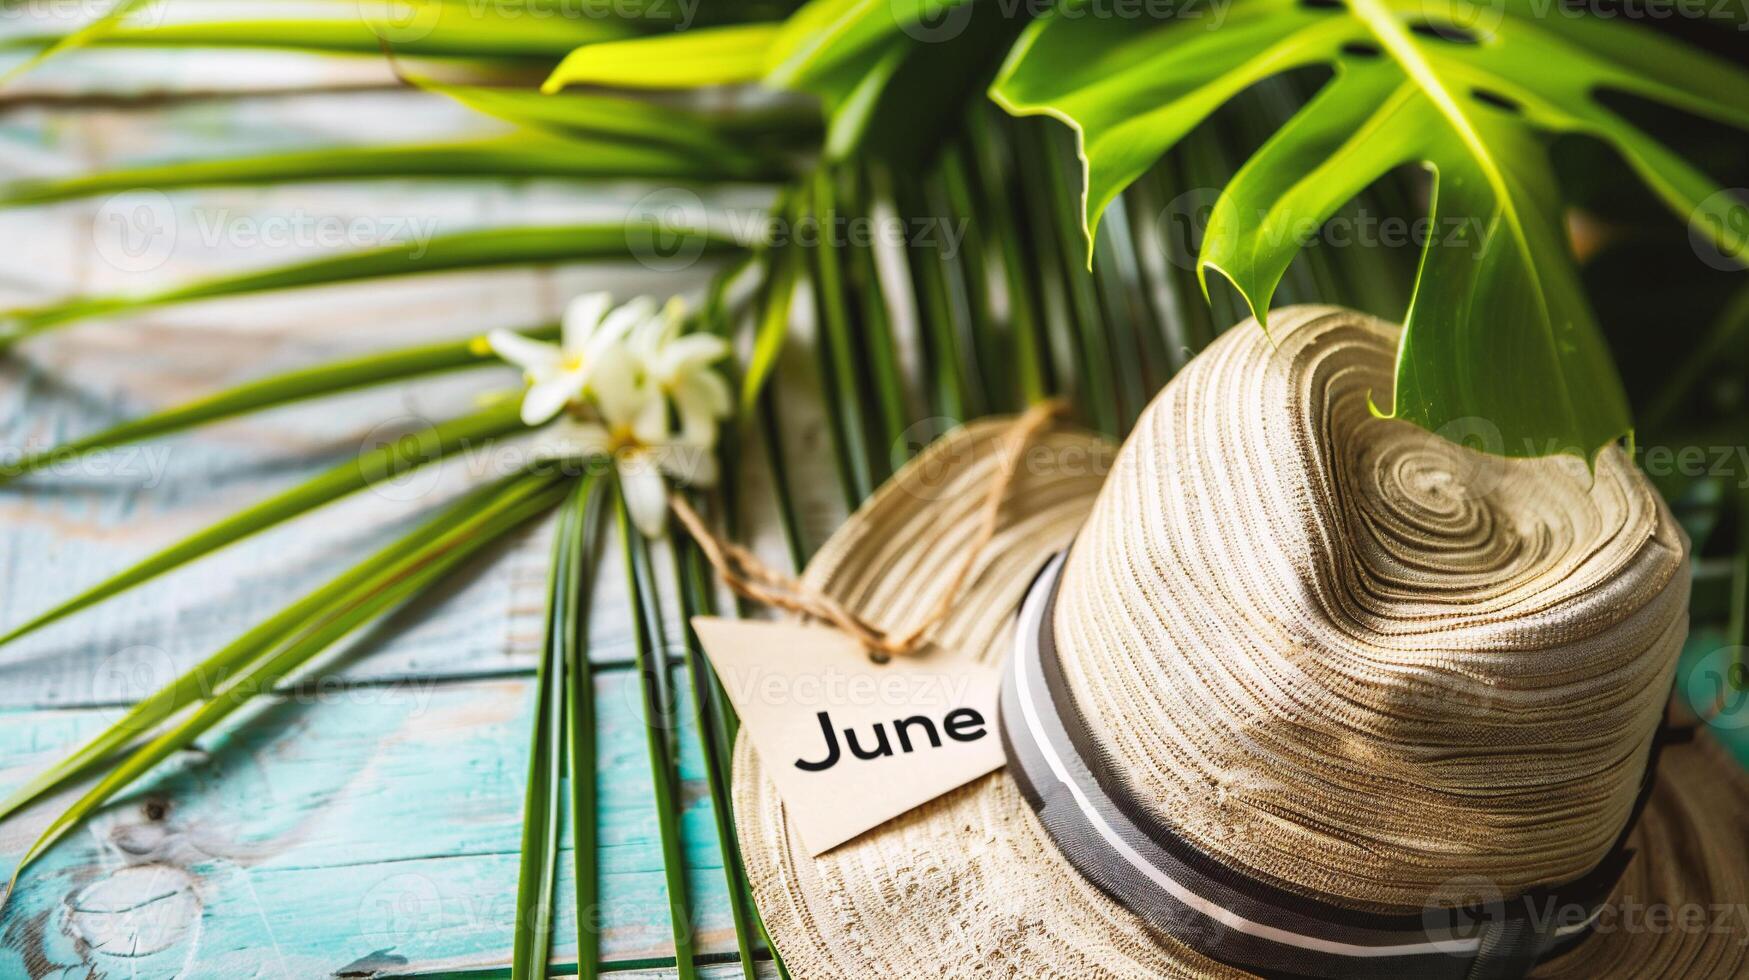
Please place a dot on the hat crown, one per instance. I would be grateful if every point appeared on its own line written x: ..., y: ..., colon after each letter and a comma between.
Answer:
x: 1354, y: 658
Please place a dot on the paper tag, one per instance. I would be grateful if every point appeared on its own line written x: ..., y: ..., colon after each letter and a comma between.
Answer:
x: 851, y: 743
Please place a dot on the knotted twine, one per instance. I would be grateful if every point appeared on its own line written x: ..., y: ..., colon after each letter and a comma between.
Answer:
x: 747, y: 576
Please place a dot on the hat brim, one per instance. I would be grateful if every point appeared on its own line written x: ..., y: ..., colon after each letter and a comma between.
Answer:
x: 970, y: 883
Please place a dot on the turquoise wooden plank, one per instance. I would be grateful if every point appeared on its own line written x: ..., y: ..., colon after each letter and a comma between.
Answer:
x: 376, y: 831
x: 1700, y: 675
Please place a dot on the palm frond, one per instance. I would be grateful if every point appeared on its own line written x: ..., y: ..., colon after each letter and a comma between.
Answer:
x: 397, y: 574
x: 275, y: 391
x: 413, y: 451
x: 656, y: 681
x: 488, y: 249
x: 555, y: 698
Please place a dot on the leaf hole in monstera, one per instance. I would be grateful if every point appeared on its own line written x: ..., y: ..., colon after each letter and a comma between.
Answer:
x: 1321, y: 4
x: 1361, y: 49
x: 1498, y: 101
x: 1450, y: 33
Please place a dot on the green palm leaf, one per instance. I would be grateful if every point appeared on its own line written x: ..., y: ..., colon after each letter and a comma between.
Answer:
x: 278, y: 390
x: 594, y: 116
x: 716, y: 723
x: 659, y: 719
x: 540, y: 811
x: 100, y: 26
x: 580, y: 754
x: 373, y: 466
x: 487, y: 249
x: 1495, y: 286
x: 706, y: 56
x: 209, y: 674
x: 400, y: 580
x: 524, y: 154
x: 427, y: 28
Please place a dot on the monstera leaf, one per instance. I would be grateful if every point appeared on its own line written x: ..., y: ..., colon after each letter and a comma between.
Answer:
x: 1499, y: 342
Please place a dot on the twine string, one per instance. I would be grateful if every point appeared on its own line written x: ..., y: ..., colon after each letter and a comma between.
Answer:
x: 752, y: 579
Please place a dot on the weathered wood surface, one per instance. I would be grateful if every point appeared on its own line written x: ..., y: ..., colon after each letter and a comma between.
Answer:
x: 365, y: 825
x: 368, y: 825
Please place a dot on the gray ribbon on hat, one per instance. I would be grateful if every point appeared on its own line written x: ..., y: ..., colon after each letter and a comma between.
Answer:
x: 1222, y: 912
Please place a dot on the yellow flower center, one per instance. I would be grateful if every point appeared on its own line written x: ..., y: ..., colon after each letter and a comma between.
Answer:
x: 621, y: 437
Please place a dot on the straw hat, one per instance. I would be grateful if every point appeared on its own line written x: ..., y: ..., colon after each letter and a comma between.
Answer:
x: 1312, y: 693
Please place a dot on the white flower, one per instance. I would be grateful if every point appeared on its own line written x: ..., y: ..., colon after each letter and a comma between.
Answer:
x: 633, y: 432
x: 558, y: 374
x: 680, y: 366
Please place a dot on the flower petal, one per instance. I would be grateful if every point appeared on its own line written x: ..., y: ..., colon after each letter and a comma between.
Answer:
x: 570, y: 439
x: 716, y: 391
x: 533, y: 356
x: 581, y: 318
x: 693, y: 465
x: 689, y: 353
x: 695, y: 403
x: 645, y: 493
x: 620, y: 385
x: 618, y: 325
x: 650, y: 423
x: 547, y: 398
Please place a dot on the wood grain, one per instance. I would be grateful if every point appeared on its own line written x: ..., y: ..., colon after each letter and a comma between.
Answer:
x: 373, y: 825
